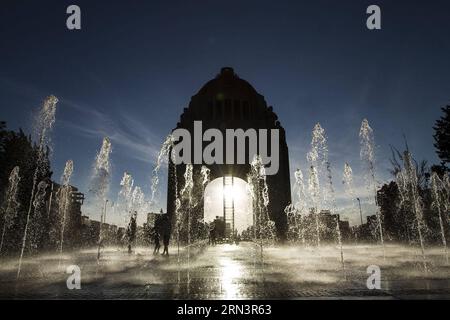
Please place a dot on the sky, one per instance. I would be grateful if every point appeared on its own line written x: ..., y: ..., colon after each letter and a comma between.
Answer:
x: 132, y: 68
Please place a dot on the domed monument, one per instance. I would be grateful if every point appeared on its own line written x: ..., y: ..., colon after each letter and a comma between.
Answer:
x: 223, y: 103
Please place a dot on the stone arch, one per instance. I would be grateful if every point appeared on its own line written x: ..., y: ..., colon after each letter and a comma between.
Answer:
x: 228, y: 102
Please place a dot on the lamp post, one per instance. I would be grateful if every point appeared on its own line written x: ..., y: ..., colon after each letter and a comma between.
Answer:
x: 360, y: 211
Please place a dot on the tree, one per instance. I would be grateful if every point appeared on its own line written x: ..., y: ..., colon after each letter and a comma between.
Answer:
x: 394, y: 218
x: 442, y: 136
x: 17, y: 149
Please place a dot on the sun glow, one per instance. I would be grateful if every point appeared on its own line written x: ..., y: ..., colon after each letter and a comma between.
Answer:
x: 216, y: 193
x: 229, y: 192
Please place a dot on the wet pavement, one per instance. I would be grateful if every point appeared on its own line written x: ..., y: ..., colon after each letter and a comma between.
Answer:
x: 232, y: 272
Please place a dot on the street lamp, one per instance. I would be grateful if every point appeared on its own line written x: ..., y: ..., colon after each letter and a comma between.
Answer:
x: 360, y: 211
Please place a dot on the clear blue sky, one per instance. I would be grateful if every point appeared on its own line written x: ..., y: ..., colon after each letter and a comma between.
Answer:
x: 135, y: 64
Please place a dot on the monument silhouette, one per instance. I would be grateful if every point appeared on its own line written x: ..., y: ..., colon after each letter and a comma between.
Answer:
x: 229, y: 102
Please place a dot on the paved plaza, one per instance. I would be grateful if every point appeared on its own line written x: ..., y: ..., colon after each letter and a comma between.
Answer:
x: 229, y: 271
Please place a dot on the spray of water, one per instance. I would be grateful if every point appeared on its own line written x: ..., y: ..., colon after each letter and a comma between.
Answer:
x: 367, y: 155
x: 318, y: 155
x: 126, y: 188
x: 347, y: 181
x: 99, y: 186
x: 332, y: 199
x: 407, y: 182
x: 314, y: 191
x: 293, y: 228
x: 186, y: 193
x: 10, y: 205
x: 264, y: 226
x: 321, y: 170
x: 300, y: 191
x: 437, y: 191
x: 295, y: 213
x: 64, y: 201
x: 36, y: 221
x: 101, y: 173
x: 138, y: 202
x: 446, y: 192
x: 43, y: 126
x: 163, y: 156
x: 205, y: 172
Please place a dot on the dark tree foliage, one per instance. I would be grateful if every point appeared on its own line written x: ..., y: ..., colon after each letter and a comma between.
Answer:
x: 440, y: 170
x: 397, y: 159
x: 442, y: 136
x: 400, y: 221
x: 388, y: 198
x: 17, y: 149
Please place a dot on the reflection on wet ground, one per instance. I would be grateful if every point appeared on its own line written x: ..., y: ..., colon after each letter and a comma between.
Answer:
x: 232, y: 272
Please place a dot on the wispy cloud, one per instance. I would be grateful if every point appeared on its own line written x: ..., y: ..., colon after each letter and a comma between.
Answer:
x: 124, y: 131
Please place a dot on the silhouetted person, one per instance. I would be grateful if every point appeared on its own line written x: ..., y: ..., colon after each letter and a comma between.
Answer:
x: 131, y: 231
x: 212, y: 236
x: 166, y: 237
x: 156, y: 240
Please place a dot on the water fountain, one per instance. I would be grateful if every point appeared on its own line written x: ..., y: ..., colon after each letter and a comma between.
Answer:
x: 124, y: 198
x: 437, y: 193
x: 163, y: 155
x: 367, y: 155
x: 186, y: 194
x: 205, y: 172
x: 138, y: 202
x: 321, y: 174
x: 318, y: 158
x: 99, y: 186
x: 446, y: 193
x: 314, y: 191
x: 347, y: 181
x: 36, y: 227
x: 10, y: 204
x: 332, y: 204
x: 293, y: 228
x: 295, y: 212
x: 64, y: 201
x: 407, y: 182
x: 264, y: 229
x: 43, y: 126
x: 101, y: 174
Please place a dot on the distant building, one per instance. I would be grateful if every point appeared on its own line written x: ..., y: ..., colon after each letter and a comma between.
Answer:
x: 72, y: 219
x: 154, y: 219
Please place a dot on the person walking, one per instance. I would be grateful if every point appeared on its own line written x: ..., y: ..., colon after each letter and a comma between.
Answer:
x: 166, y: 237
x: 131, y: 231
x: 156, y: 240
